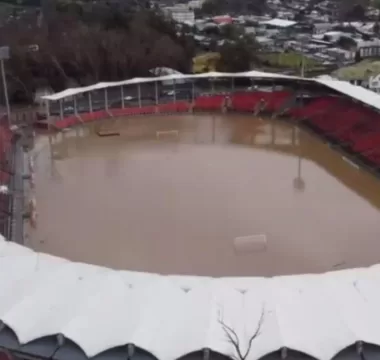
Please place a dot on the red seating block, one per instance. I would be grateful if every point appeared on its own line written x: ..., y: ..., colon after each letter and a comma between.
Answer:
x: 208, y: 103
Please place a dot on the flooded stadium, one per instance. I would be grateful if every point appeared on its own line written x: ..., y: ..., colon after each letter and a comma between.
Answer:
x: 204, y: 195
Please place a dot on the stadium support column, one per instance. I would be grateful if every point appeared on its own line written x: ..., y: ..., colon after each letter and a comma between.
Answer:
x: 206, y: 354
x: 49, y: 124
x: 47, y: 108
x: 61, y: 115
x: 76, y: 114
x: 212, y: 85
x: 156, y: 91
x: 106, y: 98
x: 75, y: 105
x: 139, y: 94
x: 232, y: 84
x: 90, y: 102
x: 193, y: 91
x: 122, y: 96
x: 174, y: 94
x: 359, y: 348
x: 60, y: 109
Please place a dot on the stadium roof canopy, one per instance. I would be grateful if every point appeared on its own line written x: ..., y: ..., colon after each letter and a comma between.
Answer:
x: 356, y: 92
x: 55, y: 308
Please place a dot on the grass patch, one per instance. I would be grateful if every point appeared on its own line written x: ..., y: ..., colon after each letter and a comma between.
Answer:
x: 360, y: 71
x: 291, y: 60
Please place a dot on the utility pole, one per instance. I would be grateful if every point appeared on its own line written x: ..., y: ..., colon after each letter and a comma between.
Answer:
x: 4, y: 55
x: 302, y: 58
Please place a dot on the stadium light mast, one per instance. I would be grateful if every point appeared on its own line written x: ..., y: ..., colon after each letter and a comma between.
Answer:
x: 299, y: 182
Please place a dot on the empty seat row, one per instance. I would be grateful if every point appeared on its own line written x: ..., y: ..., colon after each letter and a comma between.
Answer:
x: 66, y: 122
x: 312, y: 108
x: 209, y: 103
x: 248, y: 101
x: 350, y: 124
x: 97, y: 115
x: 177, y: 107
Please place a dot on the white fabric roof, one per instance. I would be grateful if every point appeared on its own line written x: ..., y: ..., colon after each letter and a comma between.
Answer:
x: 357, y: 92
x: 170, y: 316
x: 103, y: 85
x: 279, y: 22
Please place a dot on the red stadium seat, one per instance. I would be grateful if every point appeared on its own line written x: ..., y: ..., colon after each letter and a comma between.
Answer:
x: 209, y: 103
x: 179, y: 106
x: 97, y: 115
x: 312, y: 108
x: 245, y: 101
x: 248, y: 101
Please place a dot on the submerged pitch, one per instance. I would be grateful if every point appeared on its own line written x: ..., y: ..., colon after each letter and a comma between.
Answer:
x: 204, y: 195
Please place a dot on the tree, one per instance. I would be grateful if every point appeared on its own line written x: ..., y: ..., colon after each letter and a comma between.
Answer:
x: 233, y: 339
x: 300, y: 16
x: 353, y: 11
x: 346, y: 42
x: 210, y: 7
x: 236, y: 56
x: 231, y: 31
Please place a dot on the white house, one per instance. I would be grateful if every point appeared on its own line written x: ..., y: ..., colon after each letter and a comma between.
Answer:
x: 164, y: 71
x: 181, y: 13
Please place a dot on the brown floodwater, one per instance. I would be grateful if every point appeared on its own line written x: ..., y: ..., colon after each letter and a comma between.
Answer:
x: 204, y: 195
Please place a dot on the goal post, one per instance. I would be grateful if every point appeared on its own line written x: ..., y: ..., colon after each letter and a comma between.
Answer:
x: 167, y: 134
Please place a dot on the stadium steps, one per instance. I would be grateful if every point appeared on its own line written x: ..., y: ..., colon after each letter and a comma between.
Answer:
x: 288, y: 104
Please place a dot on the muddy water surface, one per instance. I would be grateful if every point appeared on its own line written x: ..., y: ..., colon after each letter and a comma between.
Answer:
x: 204, y: 195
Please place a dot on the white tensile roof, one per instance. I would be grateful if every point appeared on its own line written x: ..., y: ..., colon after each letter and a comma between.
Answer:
x: 357, y: 92
x: 279, y: 22
x: 170, y: 316
x: 80, y: 90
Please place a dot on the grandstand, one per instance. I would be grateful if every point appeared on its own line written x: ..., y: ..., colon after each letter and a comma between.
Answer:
x: 51, y: 308
x: 313, y: 103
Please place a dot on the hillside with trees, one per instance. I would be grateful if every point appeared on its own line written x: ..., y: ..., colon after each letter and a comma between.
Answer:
x: 87, y: 43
